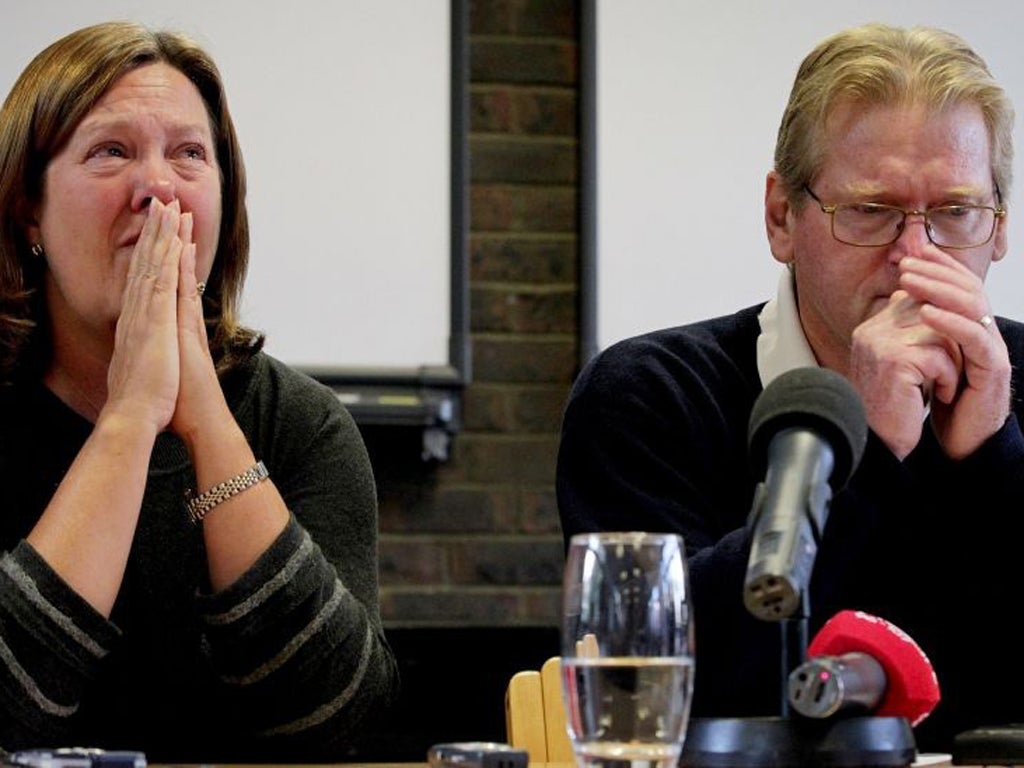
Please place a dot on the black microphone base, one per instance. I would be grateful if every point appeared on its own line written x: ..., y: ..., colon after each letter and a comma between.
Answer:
x: 776, y: 742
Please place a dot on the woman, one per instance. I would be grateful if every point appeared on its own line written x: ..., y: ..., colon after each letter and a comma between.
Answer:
x: 188, y: 526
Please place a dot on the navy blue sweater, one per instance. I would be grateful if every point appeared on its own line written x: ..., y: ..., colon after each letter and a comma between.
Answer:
x: 655, y: 438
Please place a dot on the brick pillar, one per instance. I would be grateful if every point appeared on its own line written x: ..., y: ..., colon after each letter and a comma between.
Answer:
x: 476, y: 541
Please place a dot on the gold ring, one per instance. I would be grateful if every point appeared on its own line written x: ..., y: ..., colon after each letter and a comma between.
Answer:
x: 986, y: 321
x: 200, y: 287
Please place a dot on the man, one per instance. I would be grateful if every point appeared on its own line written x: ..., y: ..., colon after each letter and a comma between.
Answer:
x: 887, y: 204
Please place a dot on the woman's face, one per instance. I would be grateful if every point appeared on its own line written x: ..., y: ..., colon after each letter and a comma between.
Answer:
x: 148, y: 136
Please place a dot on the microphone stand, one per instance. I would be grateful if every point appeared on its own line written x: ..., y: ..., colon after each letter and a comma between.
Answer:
x: 794, y: 647
x: 798, y: 742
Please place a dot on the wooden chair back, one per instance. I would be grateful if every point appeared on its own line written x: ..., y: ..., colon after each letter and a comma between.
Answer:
x: 535, y: 714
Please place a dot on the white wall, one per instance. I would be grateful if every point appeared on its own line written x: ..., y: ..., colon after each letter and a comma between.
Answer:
x: 342, y: 108
x: 689, y: 98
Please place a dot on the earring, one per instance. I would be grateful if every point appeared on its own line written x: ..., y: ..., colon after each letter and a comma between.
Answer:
x: 37, y: 250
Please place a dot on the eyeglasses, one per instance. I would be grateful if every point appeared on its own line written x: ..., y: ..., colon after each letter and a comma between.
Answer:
x: 871, y: 225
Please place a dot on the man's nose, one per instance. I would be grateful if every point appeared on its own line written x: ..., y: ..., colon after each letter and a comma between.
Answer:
x: 913, y: 237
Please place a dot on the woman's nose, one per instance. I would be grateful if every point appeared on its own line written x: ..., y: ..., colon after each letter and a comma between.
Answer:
x: 154, y: 178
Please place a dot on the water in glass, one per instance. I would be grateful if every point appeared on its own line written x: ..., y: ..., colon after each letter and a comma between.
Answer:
x: 627, y: 660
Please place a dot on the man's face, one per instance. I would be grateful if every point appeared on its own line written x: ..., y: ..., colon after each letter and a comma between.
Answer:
x: 903, y: 156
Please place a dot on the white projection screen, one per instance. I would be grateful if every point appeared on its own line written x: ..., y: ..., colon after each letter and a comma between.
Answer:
x: 343, y: 112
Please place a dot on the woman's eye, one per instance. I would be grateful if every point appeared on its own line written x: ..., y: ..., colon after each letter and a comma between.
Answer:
x: 194, y: 152
x: 108, y: 150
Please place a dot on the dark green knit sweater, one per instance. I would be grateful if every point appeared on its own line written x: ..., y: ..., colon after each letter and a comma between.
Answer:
x: 284, y: 665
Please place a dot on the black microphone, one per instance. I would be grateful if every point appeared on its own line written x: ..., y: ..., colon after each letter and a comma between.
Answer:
x: 807, y: 434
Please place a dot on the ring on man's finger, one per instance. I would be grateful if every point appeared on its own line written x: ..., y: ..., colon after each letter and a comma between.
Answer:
x: 200, y: 287
x: 986, y: 321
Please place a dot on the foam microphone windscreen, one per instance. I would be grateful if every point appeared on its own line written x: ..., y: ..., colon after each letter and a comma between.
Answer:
x: 912, y: 689
x: 811, y: 398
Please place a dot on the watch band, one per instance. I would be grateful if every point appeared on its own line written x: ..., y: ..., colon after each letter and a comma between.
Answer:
x: 199, y: 506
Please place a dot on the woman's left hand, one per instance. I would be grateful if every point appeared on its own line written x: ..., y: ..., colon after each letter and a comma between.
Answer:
x: 200, y: 399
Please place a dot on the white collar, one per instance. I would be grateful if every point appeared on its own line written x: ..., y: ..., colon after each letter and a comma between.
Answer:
x: 782, y: 345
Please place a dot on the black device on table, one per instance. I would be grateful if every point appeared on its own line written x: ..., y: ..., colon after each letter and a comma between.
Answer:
x: 990, y: 745
x: 74, y: 757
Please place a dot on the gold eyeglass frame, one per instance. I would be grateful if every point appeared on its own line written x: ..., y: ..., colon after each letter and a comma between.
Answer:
x: 998, y: 212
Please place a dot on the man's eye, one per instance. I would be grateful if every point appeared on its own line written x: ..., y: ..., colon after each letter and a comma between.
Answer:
x: 955, y: 211
x: 870, y: 209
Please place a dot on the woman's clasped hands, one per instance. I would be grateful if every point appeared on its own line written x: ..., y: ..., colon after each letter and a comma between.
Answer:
x: 161, y: 370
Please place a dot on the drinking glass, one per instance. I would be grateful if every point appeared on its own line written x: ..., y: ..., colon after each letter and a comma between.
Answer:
x: 627, y: 649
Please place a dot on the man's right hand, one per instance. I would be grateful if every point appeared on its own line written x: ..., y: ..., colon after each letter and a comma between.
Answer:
x: 898, y: 364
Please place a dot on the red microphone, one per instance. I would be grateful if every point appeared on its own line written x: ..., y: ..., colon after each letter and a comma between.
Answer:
x: 859, y: 662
